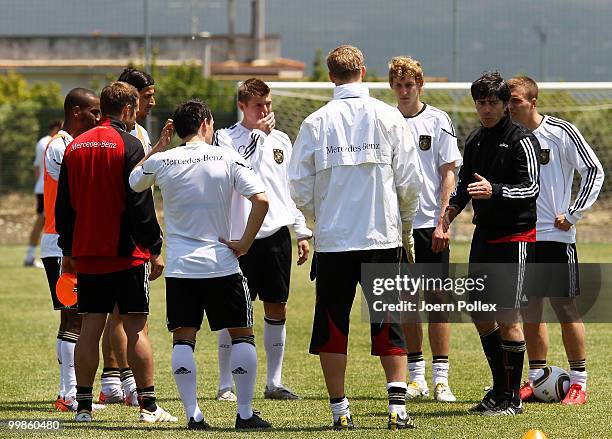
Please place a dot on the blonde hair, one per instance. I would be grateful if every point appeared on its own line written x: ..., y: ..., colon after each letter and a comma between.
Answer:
x: 528, y: 84
x: 402, y: 67
x: 345, y: 62
x: 117, y: 95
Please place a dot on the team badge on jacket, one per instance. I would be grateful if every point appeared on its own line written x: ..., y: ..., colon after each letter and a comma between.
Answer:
x: 544, y: 156
x: 279, y: 156
x: 424, y: 142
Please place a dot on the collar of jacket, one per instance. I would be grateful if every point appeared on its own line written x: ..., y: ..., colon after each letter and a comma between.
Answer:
x: 351, y: 90
x: 500, y: 127
x: 114, y: 122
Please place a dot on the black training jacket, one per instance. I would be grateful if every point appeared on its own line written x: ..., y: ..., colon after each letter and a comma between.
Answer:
x: 507, y: 156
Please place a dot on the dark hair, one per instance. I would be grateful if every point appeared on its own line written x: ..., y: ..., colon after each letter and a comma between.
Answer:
x: 77, y: 97
x: 189, y: 116
x: 137, y: 78
x: 252, y: 88
x: 116, y: 96
x: 490, y: 84
x: 55, y: 125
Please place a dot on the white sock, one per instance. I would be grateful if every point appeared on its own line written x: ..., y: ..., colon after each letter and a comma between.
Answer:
x: 31, y: 252
x: 340, y: 408
x: 275, y: 333
x: 68, y: 370
x: 577, y: 377
x: 185, y: 377
x: 244, y: 369
x: 416, y: 372
x: 440, y: 372
x: 397, y: 398
x: 224, y: 347
x: 128, y: 383
x: 58, y: 353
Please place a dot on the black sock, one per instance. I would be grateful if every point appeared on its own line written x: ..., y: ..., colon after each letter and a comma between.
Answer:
x: 492, y: 347
x: 514, y: 355
x: 578, y: 365
x: 146, y: 398
x: 397, y: 395
x: 84, y: 397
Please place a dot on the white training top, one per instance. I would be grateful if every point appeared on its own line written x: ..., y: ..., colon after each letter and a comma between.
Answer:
x: 269, y: 156
x: 141, y: 134
x: 196, y: 182
x: 38, y: 161
x: 355, y: 171
x: 563, y: 150
x: 435, y: 137
x: 54, y: 155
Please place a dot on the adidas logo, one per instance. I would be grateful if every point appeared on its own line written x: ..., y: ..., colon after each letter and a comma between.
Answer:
x: 278, y: 344
x: 239, y: 371
x: 182, y: 371
x: 503, y: 145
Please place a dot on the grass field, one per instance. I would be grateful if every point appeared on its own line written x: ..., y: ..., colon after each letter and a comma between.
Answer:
x: 29, y: 374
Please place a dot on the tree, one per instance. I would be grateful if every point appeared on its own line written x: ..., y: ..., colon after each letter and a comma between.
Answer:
x: 319, y: 72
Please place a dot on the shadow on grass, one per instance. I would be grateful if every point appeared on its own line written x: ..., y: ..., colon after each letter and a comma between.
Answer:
x: 96, y: 425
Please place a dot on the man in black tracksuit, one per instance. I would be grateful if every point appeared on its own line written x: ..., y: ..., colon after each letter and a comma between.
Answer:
x: 500, y: 174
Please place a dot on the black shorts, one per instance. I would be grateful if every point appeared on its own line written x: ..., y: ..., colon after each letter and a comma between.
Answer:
x: 337, y: 276
x: 267, y: 267
x: 128, y: 289
x: 424, y: 254
x: 504, y: 266
x: 40, y: 204
x: 556, y: 270
x: 53, y: 270
x: 226, y: 301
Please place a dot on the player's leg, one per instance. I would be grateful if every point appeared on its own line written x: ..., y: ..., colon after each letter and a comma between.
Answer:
x: 110, y: 380
x: 131, y: 289
x: 118, y: 345
x: 225, y: 391
x: 71, y: 335
x: 39, y: 222
x: 536, y: 339
x: 337, y: 277
x: 184, y: 314
x: 230, y: 307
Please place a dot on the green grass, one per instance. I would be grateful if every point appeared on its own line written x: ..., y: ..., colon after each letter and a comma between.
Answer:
x: 29, y: 374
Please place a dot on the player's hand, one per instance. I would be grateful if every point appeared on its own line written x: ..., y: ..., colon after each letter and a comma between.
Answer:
x: 408, y: 243
x: 266, y: 123
x: 562, y: 223
x: 67, y: 264
x: 481, y: 189
x: 157, y: 266
x: 165, y: 137
x: 239, y: 248
x: 449, y: 215
x: 439, y: 239
x: 303, y: 249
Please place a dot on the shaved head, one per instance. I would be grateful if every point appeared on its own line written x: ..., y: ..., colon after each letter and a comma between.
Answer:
x: 78, y: 97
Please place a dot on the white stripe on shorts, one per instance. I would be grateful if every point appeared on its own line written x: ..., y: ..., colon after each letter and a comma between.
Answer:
x: 571, y: 265
x: 249, y: 303
x: 522, y: 257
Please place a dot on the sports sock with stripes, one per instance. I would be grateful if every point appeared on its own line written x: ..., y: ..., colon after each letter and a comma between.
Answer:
x: 224, y: 346
x: 68, y: 372
x: 146, y: 398
x: 492, y: 347
x: 84, y: 398
x: 110, y: 381
x: 244, y: 369
x: 185, y: 376
x: 416, y: 367
x: 275, y: 334
x: 128, y: 383
x: 578, y: 373
x: 397, y: 398
x: 534, y: 367
x: 58, y: 353
x: 514, y: 355
x: 439, y: 368
x: 339, y: 407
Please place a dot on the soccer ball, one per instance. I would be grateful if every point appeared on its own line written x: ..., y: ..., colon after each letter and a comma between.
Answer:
x: 551, y: 384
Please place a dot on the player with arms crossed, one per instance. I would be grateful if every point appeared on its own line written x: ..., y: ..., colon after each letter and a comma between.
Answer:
x: 81, y: 113
x: 267, y: 265
x: 439, y: 157
x: 563, y: 151
x: 363, y: 201
x: 500, y: 176
x: 203, y: 275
